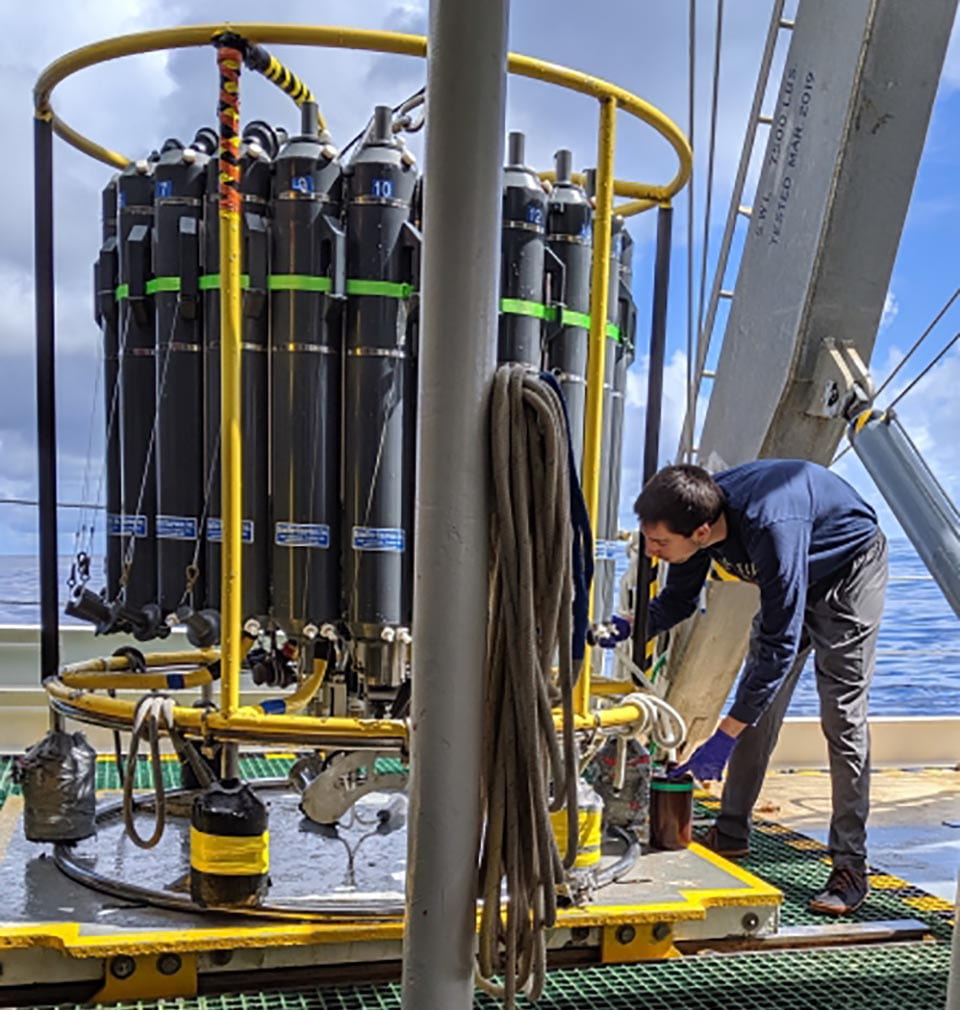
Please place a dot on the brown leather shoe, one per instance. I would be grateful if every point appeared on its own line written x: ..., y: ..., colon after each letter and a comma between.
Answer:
x: 724, y: 845
x: 845, y: 892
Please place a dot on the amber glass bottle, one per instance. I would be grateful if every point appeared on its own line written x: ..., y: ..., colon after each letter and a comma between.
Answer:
x: 671, y: 811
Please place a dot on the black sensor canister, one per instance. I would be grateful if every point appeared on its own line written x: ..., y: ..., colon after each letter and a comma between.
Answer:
x: 229, y: 846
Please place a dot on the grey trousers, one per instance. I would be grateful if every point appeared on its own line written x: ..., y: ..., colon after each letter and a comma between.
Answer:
x: 842, y: 629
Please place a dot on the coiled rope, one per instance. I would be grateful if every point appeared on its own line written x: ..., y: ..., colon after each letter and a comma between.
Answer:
x: 528, y: 770
x: 154, y: 714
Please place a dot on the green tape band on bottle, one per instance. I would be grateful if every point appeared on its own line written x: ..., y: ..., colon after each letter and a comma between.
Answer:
x: 162, y: 284
x: 613, y: 332
x: 298, y: 282
x: 570, y: 318
x: 381, y: 289
x: 671, y: 787
x: 521, y: 307
x: 211, y: 282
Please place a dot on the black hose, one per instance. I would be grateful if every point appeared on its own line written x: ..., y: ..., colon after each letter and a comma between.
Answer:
x: 613, y: 872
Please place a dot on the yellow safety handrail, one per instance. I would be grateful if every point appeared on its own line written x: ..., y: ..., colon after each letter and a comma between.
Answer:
x: 295, y: 729
x: 349, y: 38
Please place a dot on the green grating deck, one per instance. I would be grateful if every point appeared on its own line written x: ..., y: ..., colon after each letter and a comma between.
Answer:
x: 798, y: 865
x: 889, y: 977
x: 252, y: 766
x: 793, y: 862
x: 895, y: 977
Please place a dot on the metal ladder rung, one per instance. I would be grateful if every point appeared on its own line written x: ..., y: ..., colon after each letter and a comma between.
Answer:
x: 706, y: 374
x: 744, y: 210
x: 786, y: 24
x: 765, y: 120
x: 725, y: 294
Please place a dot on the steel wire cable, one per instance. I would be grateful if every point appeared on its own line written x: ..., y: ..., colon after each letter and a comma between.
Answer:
x: 715, y: 94
x: 911, y: 385
x: 923, y: 336
x: 114, y: 404
x: 78, y: 539
x: 151, y: 446
x: 687, y: 437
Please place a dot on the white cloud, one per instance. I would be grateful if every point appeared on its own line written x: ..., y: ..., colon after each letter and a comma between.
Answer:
x: 951, y: 67
x: 671, y: 423
x: 929, y: 414
x: 890, y: 310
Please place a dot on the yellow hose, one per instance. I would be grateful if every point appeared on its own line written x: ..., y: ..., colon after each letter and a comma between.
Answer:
x: 171, y: 681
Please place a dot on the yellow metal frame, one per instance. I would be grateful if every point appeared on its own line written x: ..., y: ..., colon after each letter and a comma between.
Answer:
x: 69, y: 938
x: 643, y: 195
x: 147, y: 981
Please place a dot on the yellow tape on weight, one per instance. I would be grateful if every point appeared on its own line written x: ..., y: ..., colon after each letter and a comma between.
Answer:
x: 229, y: 855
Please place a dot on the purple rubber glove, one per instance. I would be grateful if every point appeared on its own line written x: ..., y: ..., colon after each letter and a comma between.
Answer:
x: 608, y: 634
x: 709, y: 759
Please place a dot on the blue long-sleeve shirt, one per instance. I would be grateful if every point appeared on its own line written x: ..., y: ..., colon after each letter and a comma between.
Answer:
x: 791, y: 526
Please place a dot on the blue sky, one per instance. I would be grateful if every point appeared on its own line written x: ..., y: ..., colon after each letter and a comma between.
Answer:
x: 134, y: 105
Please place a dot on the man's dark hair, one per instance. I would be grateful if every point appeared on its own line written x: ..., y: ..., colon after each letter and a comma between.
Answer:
x: 682, y: 496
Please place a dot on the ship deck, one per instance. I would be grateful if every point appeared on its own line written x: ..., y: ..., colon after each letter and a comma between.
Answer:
x: 894, y: 952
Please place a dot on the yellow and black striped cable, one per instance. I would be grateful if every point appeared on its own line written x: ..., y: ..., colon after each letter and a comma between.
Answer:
x: 259, y: 59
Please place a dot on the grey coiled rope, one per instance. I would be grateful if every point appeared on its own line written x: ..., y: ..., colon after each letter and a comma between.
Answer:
x: 529, y: 770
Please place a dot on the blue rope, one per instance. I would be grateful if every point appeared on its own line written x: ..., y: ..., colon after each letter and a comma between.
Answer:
x: 582, y: 538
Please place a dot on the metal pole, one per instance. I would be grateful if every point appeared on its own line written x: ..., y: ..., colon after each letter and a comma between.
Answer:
x: 651, y: 445
x: 593, y: 411
x: 953, y: 979
x: 466, y: 89
x: 46, y: 391
x: 229, y: 61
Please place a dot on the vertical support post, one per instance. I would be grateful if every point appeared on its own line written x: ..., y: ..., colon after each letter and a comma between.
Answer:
x: 46, y: 391
x: 466, y: 89
x: 229, y: 62
x: 599, y: 283
x: 651, y: 442
x: 953, y: 979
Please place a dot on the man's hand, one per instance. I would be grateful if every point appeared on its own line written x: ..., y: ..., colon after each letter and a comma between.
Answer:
x: 608, y: 634
x: 709, y: 759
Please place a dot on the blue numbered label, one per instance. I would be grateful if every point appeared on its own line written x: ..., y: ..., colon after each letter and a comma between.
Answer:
x: 379, y: 538
x: 535, y: 214
x: 302, y: 183
x: 176, y: 528
x: 215, y: 531
x: 606, y: 550
x: 382, y: 188
x: 302, y: 535
x: 126, y: 526
x: 164, y: 189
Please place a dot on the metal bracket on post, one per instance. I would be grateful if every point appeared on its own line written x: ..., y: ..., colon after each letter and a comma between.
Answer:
x: 841, y: 385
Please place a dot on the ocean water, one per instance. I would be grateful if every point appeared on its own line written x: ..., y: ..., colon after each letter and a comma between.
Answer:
x: 918, y: 661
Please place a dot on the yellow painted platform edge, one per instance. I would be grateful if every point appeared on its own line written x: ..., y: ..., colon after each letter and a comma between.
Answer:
x: 69, y: 939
